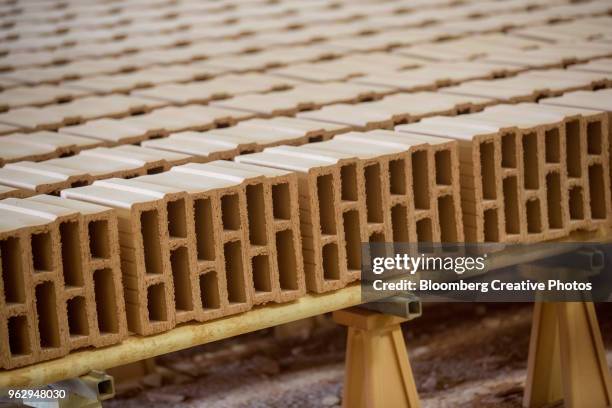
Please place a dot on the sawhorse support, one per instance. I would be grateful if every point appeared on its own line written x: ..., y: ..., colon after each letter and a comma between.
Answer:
x: 567, y: 359
x: 378, y: 372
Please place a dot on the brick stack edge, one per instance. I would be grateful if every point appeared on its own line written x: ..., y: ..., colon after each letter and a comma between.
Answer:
x: 210, y: 180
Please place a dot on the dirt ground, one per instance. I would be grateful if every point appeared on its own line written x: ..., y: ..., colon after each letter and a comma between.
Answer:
x: 462, y: 355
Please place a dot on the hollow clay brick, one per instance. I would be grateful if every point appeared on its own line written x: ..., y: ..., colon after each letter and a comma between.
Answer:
x: 320, y: 176
x: 40, y: 146
x: 35, y: 329
x: 145, y: 254
x: 53, y: 175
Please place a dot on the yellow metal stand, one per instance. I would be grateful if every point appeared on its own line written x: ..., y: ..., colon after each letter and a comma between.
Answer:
x: 378, y: 372
x: 567, y: 359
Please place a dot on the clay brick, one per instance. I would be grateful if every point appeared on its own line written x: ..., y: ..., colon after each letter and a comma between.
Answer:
x: 109, y: 132
x: 29, y: 119
x: 514, y: 184
x: 302, y: 97
x: 306, y: 131
x: 321, y: 176
x: 530, y: 86
x: 597, y: 101
x: 101, y: 267
x: 272, y: 237
x: 41, y: 146
x: 396, y: 109
x: 603, y: 65
x: 358, y: 117
x: 34, y: 328
x: 217, y: 88
x: 38, y: 96
x: 145, y: 252
x: 53, y: 175
x: 414, y: 197
x: 220, y: 225
x: 201, y: 146
x: 92, y: 292
x: 191, y: 117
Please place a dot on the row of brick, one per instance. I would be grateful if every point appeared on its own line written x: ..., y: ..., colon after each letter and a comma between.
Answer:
x: 526, y: 172
x: 383, y: 40
x: 119, y: 44
x: 254, y: 135
x: 61, y: 281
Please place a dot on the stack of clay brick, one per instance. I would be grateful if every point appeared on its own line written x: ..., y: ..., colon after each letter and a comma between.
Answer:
x: 345, y: 122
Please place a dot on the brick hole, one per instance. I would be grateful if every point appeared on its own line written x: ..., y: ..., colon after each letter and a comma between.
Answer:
x: 553, y: 200
x: 155, y: 170
x: 444, y: 174
x: 446, y: 216
x: 78, y: 184
x: 597, y: 192
x: 177, y: 218
x: 156, y: 303
x: 576, y: 203
x: 42, y: 253
x: 573, y: 149
x: 553, y: 146
x: 594, y: 138
x: 179, y: 263
x: 12, y: 272
x: 149, y: 228
x: 420, y: 180
x: 352, y: 236
x: 397, y: 176
x: 424, y: 230
x: 491, y: 226
x: 46, y: 308
x: 19, y: 336
x: 230, y: 212
x: 534, y: 217
x: 261, y: 273
x: 511, y: 205
x: 106, y: 301
x: 205, y: 237
x: 71, y: 254
x: 348, y: 177
x: 530, y: 161
x: 331, y: 270
x: 399, y: 221
x: 377, y: 237
x: 487, y: 170
x: 257, y: 214
x: 281, y: 201
x: 373, y: 189
x: 286, y: 259
x: 77, y: 317
x: 327, y: 215
x: 99, y: 242
x: 234, y: 271
x: 209, y: 290
x: 315, y: 139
